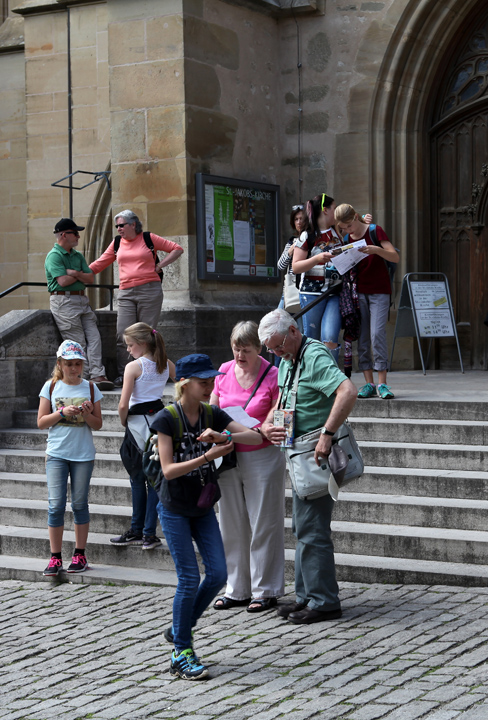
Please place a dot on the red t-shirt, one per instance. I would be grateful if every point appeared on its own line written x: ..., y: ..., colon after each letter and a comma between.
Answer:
x: 373, y: 277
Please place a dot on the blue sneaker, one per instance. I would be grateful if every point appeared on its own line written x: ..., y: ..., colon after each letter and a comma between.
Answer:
x: 187, y: 666
x: 367, y: 391
x: 384, y: 391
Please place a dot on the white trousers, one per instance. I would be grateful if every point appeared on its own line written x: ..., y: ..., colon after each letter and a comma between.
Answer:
x: 251, y: 518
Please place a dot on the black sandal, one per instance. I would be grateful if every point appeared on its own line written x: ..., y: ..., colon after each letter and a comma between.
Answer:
x: 263, y: 604
x: 226, y: 603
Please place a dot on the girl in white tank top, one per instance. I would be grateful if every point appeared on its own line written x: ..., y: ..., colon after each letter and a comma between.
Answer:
x: 144, y: 381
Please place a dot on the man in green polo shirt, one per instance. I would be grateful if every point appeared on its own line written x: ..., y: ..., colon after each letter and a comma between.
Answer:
x: 67, y: 276
x: 325, y: 396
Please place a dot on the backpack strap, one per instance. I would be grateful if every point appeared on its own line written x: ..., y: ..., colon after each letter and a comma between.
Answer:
x: 372, y: 234
x: 116, y: 244
x: 178, y: 425
x: 92, y: 390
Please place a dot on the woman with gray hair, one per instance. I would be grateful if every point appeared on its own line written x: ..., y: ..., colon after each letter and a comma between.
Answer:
x: 140, y: 293
x: 251, y: 509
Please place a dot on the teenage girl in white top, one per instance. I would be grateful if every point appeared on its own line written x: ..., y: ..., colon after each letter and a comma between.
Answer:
x: 144, y: 381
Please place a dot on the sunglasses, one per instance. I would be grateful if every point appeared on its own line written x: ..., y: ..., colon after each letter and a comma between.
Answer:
x: 121, y: 225
x: 297, y: 207
x: 72, y: 232
x: 278, y: 347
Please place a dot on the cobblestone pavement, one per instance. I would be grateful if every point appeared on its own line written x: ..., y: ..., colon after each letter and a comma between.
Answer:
x: 90, y: 651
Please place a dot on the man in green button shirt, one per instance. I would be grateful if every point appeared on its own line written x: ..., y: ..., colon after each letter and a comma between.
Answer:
x: 67, y: 276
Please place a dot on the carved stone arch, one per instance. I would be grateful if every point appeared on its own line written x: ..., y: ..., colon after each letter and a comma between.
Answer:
x: 420, y: 33
x: 98, y: 235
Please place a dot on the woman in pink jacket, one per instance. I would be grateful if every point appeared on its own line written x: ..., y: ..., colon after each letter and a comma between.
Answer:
x: 140, y: 295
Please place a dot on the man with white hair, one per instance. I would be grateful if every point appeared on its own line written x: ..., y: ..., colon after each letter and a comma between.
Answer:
x: 324, y: 395
x: 140, y: 293
x: 67, y: 276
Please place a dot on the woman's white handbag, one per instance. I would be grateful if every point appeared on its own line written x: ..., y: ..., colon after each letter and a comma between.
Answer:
x: 290, y: 294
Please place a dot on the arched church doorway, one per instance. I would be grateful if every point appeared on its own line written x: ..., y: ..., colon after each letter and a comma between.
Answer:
x: 459, y: 179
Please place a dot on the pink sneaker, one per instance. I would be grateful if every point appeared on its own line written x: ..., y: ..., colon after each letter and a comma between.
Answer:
x: 54, y: 567
x: 79, y: 563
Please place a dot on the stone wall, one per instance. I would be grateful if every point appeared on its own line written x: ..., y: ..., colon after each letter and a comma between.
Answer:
x: 13, y: 151
x: 28, y: 343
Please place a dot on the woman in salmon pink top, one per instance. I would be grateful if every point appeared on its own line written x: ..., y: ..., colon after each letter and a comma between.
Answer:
x: 140, y: 295
x: 251, y: 509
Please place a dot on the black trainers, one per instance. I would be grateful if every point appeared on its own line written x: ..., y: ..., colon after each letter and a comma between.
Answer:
x: 55, y: 566
x: 149, y: 542
x: 168, y: 634
x: 79, y: 564
x: 127, y: 538
x: 187, y: 666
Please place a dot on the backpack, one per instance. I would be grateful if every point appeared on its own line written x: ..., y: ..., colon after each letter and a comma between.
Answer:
x: 151, y: 464
x: 149, y: 244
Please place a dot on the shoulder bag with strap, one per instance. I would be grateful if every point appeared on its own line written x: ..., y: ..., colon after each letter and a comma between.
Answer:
x: 149, y: 244
x: 151, y: 464
x: 230, y: 461
x: 344, y: 464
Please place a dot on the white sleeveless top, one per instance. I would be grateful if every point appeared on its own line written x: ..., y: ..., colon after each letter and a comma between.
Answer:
x: 150, y: 384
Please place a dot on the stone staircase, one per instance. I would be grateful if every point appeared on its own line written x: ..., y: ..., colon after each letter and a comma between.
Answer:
x: 418, y: 515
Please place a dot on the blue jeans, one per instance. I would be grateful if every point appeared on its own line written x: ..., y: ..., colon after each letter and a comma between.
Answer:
x: 192, y: 597
x: 323, y: 322
x: 57, y: 472
x: 144, y: 504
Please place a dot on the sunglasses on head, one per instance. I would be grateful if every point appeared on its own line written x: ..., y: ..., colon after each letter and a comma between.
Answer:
x: 297, y: 207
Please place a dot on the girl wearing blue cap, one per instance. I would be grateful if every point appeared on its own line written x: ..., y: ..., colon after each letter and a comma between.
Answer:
x: 191, y: 435
x: 69, y: 408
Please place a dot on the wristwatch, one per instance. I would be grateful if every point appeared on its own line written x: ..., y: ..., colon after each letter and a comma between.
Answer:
x: 324, y: 431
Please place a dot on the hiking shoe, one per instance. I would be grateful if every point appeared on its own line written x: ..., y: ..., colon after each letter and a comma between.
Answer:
x: 187, y: 666
x: 55, y: 565
x: 127, y: 538
x: 384, y: 391
x: 79, y: 563
x: 149, y: 542
x: 367, y: 391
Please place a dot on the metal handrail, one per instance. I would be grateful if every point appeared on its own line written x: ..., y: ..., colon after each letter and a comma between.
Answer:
x: 110, y: 288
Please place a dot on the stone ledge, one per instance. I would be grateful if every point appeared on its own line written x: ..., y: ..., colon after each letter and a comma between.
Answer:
x: 12, y: 35
x: 285, y: 8
x: 35, y: 7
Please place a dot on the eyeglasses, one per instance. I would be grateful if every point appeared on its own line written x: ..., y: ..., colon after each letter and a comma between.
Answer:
x: 297, y: 207
x: 279, y: 347
x: 121, y: 225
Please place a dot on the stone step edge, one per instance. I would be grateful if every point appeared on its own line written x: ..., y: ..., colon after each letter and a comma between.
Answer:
x: 13, y: 567
x: 342, y: 526
x: 368, y: 470
x: 349, y: 497
x: 22, y: 568
x: 353, y: 419
x: 407, y: 565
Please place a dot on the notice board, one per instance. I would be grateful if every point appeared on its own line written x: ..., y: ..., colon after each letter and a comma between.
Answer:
x: 431, y: 305
x: 237, y: 229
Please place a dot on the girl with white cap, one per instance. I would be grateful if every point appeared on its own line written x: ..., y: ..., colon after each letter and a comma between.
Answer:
x: 69, y: 408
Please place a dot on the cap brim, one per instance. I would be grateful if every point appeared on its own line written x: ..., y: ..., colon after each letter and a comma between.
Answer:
x: 205, y: 374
